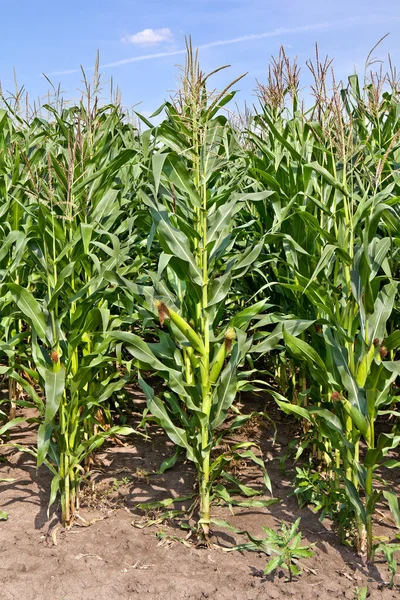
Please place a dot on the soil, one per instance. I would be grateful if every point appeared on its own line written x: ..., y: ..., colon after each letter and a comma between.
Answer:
x: 121, y: 556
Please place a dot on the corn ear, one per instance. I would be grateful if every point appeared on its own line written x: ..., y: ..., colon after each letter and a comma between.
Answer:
x: 224, y: 349
x: 217, y: 364
x: 358, y: 419
x: 181, y: 324
x: 364, y: 366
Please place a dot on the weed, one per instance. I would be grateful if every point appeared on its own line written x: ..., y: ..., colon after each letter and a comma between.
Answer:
x: 284, y: 544
x: 361, y: 593
x: 388, y: 551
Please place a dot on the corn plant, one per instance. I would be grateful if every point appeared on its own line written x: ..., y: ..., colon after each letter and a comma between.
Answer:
x: 14, y: 224
x: 77, y: 242
x: 194, y: 195
x: 225, y: 255
x: 337, y: 268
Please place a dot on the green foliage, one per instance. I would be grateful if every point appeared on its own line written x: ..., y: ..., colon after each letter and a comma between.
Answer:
x: 388, y: 550
x: 222, y: 260
x: 361, y: 593
x: 67, y: 236
x: 194, y: 191
x: 322, y: 491
x: 284, y: 545
x: 3, y: 513
x: 117, y: 483
x: 331, y: 257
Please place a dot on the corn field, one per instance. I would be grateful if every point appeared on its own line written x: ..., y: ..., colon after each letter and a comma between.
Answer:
x: 201, y: 260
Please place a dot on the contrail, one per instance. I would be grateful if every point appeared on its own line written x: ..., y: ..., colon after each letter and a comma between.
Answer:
x: 124, y: 61
x: 318, y: 27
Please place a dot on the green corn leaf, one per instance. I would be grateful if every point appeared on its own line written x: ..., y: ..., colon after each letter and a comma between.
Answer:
x: 327, y: 177
x: 225, y: 391
x: 382, y: 310
x: 176, y: 243
x: 384, y: 443
x: 10, y: 424
x: 43, y: 442
x: 162, y: 503
x: 54, y: 390
x: 138, y: 348
x: 393, y: 341
x: 355, y: 500
x: 303, y: 351
x: 292, y: 327
x: 30, y: 308
x: 393, y: 505
x: 180, y: 177
x: 168, y: 463
x: 326, y: 256
x: 54, y: 489
x: 340, y: 358
x: 157, y: 409
x: 242, y: 319
x: 291, y: 409
x: 158, y: 161
x: 107, y: 171
x: 86, y: 233
x: 381, y: 250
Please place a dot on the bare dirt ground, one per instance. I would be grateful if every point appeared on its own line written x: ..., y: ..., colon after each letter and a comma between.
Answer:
x: 114, y: 559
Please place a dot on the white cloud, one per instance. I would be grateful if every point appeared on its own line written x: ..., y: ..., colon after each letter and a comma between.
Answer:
x: 149, y: 37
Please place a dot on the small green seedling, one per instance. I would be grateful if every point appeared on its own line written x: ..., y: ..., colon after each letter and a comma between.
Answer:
x: 361, y: 593
x: 3, y: 513
x: 286, y: 544
x: 117, y: 483
x: 388, y: 551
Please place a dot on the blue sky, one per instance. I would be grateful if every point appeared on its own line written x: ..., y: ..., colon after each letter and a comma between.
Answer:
x: 141, y: 43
